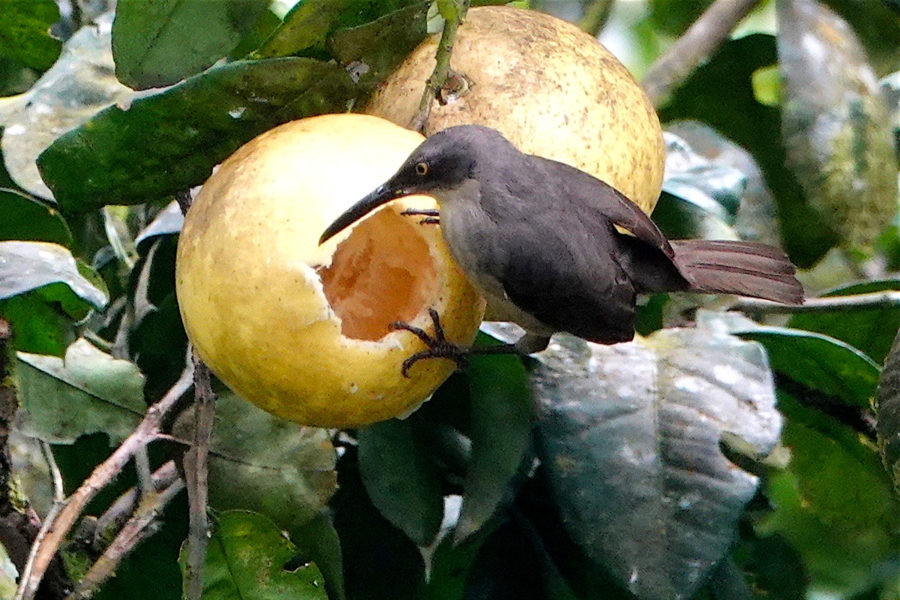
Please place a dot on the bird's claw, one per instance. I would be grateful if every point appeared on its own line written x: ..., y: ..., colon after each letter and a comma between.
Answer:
x: 432, y: 215
x: 438, y: 345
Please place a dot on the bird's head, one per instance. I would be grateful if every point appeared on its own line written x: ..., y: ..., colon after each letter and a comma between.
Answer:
x: 442, y: 164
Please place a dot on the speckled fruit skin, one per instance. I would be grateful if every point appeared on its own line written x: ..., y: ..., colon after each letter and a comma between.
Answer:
x: 550, y: 88
x: 249, y: 294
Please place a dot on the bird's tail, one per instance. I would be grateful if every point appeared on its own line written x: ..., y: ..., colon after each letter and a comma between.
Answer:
x: 743, y: 268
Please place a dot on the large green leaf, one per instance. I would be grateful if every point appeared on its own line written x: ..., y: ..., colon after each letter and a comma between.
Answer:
x: 160, y: 42
x: 86, y: 392
x: 630, y: 435
x: 835, y: 122
x: 741, y: 118
x: 870, y: 330
x: 500, y: 428
x: 380, y: 561
x: 372, y: 51
x: 833, y: 503
x: 304, y: 27
x: 887, y: 405
x: 248, y: 557
x: 819, y: 362
x: 25, y: 218
x: 401, y: 478
x: 25, y: 32
x: 26, y: 266
x: 171, y: 140
x: 76, y: 87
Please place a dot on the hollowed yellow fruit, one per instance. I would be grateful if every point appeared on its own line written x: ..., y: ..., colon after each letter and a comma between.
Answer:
x: 302, y: 330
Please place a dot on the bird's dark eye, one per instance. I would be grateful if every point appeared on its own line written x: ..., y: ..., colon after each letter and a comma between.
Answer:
x: 421, y: 168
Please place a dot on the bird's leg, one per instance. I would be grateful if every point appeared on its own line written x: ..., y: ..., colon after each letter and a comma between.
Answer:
x: 440, y: 347
x: 432, y: 215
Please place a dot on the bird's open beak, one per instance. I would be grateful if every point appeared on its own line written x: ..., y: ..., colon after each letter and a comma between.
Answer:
x: 381, y: 195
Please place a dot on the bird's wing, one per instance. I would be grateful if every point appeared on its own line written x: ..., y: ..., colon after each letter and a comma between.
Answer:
x: 588, y: 191
x: 568, y: 283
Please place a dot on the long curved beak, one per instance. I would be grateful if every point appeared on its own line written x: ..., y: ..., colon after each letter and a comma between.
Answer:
x: 381, y: 195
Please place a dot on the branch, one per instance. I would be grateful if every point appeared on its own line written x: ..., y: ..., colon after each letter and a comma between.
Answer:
x: 142, y: 524
x: 196, y: 472
x: 696, y: 45
x: 58, y: 524
x: 596, y: 14
x: 118, y: 514
x: 441, y: 67
x: 826, y: 304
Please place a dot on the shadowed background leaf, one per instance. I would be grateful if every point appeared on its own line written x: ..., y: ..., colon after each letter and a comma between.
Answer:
x: 630, y: 434
x: 835, y: 123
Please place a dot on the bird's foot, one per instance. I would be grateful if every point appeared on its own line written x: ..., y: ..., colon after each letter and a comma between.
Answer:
x: 438, y: 345
x: 432, y: 215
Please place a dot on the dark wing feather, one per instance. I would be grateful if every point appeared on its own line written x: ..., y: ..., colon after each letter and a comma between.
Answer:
x: 586, y: 190
x: 584, y: 293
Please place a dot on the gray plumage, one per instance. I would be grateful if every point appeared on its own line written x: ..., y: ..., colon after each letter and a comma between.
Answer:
x: 538, y: 238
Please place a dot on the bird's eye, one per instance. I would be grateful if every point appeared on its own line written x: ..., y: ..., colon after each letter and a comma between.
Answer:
x: 421, y: 168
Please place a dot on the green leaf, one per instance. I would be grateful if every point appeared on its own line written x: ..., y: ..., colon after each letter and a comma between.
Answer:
x: 160, y: 42
x: 500, y: 430
x: 25, y: 32
x: 318, y: 540
x: 750, y: 207
x: 372, y: 51
x: 24, y: 218
x: 401, y: 478
x: 887, y: 406
x: 836, y: 129
x: 262, y: 463
x: 171, y: 140
x: 833, y: 503
x: 26, y: 266
x: 630, y: 435
x: 304, y: 27
x: 870, y: 330
x: 86, y: 392
x: 75, y: 88
x: 819, y: 362
x: 380, y: 561
x: 249, y: 557
x: 741, y: 118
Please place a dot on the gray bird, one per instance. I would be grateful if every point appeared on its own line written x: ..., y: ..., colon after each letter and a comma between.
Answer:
x: 538, y: 239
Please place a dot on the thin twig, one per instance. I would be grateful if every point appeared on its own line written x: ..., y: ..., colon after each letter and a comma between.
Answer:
x: 596, y: 14
x: 696, y: 45
x: 59, y: 492
x: 441, y: 68
x: 118, y: 513
x: 142, y: 524
x: 184, y: 200
x: 196, y: 472
x: 59, y: 522
x: 142, y: 465
x: 826, y: 304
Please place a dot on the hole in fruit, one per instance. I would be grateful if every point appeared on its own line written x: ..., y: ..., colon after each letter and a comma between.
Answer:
x: 382, y: 273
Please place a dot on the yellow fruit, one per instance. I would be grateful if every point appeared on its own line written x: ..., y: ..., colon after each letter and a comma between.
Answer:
x: 302, y: 330
x: 550, y: 88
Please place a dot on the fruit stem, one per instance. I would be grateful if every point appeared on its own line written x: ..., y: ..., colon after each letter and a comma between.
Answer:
x: 442, y: 66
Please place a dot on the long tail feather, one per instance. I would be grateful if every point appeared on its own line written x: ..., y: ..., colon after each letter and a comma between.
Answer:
x: 743, y: 268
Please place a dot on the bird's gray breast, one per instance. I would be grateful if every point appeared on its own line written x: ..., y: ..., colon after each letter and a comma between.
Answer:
x: 475, y: 240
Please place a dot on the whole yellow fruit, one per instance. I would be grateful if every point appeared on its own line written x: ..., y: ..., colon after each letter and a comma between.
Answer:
x: 550, y: 88
x: 302, y: 330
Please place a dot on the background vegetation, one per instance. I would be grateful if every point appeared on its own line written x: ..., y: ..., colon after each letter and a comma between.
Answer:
x: 760, y: 453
